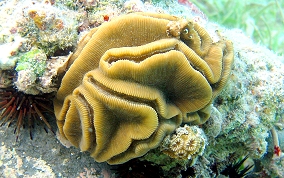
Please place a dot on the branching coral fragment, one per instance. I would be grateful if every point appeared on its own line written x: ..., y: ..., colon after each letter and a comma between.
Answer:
x: 277, y: 153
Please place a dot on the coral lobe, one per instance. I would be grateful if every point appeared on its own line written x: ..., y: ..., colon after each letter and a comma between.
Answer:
x: 134, y: 80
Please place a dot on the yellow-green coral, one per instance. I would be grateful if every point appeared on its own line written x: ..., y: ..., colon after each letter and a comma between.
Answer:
x: 186, y: 143
x: 129, y: 87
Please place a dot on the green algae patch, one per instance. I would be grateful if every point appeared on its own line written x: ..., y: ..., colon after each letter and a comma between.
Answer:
x: 34, y: 60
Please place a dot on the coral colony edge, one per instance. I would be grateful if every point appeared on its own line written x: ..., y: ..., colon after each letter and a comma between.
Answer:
x: 151, y: 89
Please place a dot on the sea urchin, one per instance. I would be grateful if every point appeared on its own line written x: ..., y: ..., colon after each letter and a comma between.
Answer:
x: 24, y: 109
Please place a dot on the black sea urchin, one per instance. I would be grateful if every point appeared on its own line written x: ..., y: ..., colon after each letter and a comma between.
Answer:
x: 235, y: 171
x: 23, y: 109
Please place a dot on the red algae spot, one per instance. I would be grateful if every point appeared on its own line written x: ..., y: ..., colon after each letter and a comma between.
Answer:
x: 277, y: 150
x: 106, y: 18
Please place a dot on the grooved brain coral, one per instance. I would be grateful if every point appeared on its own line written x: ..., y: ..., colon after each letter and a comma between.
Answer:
x: 134, y: 80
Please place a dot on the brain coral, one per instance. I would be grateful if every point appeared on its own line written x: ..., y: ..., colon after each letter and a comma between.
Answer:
x: 134, y: 80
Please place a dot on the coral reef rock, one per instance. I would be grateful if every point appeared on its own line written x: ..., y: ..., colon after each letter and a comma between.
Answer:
x: 37, y: 74
x: 135, y: 79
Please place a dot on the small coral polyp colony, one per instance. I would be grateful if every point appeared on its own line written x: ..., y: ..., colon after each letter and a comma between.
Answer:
x: 186, y: 143
x: 134, y: 80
